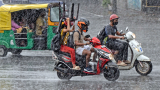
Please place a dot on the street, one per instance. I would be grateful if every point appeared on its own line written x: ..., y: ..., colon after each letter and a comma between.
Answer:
x: 33, y: 70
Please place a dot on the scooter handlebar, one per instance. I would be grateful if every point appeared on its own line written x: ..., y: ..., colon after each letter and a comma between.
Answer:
x: 125, y: 37
x: 91, y: 42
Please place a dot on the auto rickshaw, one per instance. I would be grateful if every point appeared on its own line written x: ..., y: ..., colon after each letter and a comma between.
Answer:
x: 9, y: 39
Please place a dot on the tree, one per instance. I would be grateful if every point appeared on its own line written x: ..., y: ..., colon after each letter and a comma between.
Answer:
x: 105, y: 3
x: 114, y: 3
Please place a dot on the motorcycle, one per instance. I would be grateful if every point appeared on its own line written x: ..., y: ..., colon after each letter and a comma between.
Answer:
x: 63, y: 64
x: 141, y: 62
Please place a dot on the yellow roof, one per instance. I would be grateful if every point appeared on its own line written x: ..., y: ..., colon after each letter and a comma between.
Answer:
x: 17, y: 7
x: 5, y: 13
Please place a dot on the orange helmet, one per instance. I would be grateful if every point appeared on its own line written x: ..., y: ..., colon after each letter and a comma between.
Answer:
x: 83, y: 22
x: 113, y: 16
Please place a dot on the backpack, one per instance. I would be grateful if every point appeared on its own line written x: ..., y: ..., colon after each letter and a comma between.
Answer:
x: 70, y: 41
x: 101, y: 35
x: 55, y: 44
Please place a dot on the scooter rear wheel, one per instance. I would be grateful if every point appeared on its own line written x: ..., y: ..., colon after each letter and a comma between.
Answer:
x: 111, y: 74
x: 145, y: 70
x: 62, y: 75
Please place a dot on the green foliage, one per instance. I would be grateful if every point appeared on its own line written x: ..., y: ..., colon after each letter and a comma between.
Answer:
x: 105, y: 3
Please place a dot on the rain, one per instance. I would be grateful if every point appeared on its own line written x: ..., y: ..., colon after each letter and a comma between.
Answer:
x: 33, y: 69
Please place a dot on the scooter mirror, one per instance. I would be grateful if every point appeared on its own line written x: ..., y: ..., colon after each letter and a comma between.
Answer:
x: 87, y: 36
x: 127, y: 29
x: 121, y: 31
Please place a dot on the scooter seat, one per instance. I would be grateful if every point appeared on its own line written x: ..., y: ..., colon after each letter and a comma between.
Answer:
x: 67, y: 54
x: 78, y: 57
x: 64, y: 53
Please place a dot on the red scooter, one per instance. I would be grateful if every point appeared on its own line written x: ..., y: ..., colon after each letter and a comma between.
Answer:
x: 104, y: 64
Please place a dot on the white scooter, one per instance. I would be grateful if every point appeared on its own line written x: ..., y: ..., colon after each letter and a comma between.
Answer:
x: 142, y: 63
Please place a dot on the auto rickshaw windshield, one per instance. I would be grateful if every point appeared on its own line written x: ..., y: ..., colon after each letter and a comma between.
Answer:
x: 55, y: 14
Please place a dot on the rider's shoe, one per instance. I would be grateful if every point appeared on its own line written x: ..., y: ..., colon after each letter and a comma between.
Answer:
x: 126, y: 61
x: 77, y: 68
x: 88, y: 69
x: 121, y: 64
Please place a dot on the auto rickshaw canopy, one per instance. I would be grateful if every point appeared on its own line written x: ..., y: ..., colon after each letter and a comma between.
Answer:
x: 5, y: 13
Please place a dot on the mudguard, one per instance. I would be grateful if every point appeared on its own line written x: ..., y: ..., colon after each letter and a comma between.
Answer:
x: 143, y: 58
x: 4, y: 43
x: 60, y: 62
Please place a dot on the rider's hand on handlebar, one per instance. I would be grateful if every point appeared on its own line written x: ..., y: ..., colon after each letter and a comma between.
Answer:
x: 87, y: 43
x: 122, y: 37
x: 122, y: 34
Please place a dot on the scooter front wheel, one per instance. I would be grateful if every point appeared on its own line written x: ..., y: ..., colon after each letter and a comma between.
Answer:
x: 111, y: 74
x: 143, y: 68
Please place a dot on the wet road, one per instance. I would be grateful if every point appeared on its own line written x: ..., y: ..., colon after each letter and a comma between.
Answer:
x: 32, y: 70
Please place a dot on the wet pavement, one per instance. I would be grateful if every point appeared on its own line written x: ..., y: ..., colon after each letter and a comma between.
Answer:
x: 33, y: 70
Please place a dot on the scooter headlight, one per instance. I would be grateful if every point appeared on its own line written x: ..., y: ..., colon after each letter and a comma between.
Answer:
x: 111, y: 57
x: 107, y: 55
x: 133, y: 35
x: 137, y: 49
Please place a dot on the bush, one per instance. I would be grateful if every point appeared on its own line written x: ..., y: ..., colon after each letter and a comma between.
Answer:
x: 105, y: 3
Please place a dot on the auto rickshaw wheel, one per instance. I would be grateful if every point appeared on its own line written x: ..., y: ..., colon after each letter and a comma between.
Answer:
x: 16, y: 51
x: 3, y: 51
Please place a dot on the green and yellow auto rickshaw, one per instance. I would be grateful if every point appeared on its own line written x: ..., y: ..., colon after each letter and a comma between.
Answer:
x: 9, y: 39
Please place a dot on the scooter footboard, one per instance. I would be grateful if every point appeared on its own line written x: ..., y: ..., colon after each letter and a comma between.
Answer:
x: 143, y: 58
x: 110, y: 64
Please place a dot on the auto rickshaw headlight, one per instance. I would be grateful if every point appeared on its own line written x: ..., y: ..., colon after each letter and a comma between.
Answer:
x: 11, y: 42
